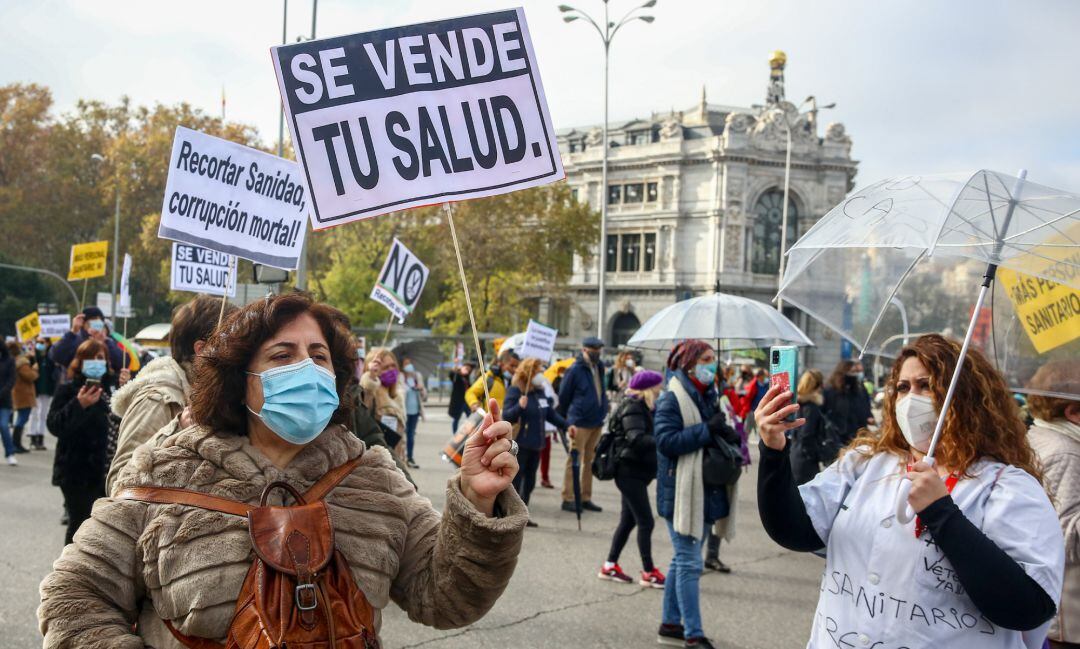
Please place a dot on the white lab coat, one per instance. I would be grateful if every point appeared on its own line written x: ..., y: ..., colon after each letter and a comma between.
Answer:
x: 885, y: 589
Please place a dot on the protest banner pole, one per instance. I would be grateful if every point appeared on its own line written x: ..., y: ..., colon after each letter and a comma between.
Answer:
x: 468, y: 302
x: 225, y: 293
x: 85, y: 283
x: 386, y: 336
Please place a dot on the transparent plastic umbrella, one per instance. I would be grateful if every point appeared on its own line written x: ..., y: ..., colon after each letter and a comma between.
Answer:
x: 732, y: 321
x: 921, y: 254
x: 908, y: 255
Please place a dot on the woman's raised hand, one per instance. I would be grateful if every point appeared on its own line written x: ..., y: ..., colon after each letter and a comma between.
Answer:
x: 770, y: 414
x: 487, y: 466
x: 89, y: 395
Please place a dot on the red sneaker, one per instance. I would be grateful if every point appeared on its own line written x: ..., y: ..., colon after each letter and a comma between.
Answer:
x: 615, y: 573
x: 654, y: 579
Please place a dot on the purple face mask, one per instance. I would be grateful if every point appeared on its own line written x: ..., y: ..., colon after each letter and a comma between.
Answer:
x: 389, y: 377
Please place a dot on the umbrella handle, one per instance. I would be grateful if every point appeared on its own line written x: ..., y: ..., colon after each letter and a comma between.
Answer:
x: 904, y: 512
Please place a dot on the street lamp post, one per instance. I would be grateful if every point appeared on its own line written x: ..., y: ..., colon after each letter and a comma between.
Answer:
x: 97, y: 157
x: 301, y: 266
x: 787, y: 183
x: 607, y: 33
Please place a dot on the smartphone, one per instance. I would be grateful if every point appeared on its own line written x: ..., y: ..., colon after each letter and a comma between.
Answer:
x: 784, y: 371
x: 90, y: 383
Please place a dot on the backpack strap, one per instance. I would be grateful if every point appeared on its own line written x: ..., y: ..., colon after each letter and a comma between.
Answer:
x: 175, y: 496
x: 333, y: 478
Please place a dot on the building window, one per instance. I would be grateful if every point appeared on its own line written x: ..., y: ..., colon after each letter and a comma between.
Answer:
x: 612, y: 261
x: 623, y: 328
x: 614, y: 194
x: 633, y: 193
x: 631, y: 253
x: 768, y: 216
x: 574, y: 194
x: 649, y: 257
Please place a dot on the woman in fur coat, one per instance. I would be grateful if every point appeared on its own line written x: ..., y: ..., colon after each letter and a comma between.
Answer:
x: 134, y: 564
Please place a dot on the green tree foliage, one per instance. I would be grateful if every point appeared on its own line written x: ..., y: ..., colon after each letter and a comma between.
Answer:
x: 54, y: 194
x: 515, y: 247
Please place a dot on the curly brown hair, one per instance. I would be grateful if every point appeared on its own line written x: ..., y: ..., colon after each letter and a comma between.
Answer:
x: 523, y: 377
x: 220, y: 371
x: 982, y: 422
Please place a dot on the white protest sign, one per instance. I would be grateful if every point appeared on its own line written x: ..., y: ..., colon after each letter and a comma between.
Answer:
x: 234, y: 199
x: 201, y: 270
x: 400, y: 282
x: 539, y: 341
x: 409, y: 116
x: 55, y: 326
x: 104, y: 302
x: 124, y: 309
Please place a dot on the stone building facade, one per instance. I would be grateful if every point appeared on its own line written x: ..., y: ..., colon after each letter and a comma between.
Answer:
x: 695, y: 203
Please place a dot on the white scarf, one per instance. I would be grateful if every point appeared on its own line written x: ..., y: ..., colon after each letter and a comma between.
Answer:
x: 1063, y: 426
x: 689, y: 516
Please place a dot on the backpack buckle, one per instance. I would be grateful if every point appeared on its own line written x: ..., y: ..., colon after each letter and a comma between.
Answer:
x: 301, y: 599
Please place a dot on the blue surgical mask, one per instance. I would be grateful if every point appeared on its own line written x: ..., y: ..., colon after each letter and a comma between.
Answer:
x: 508, y: 375
x: 93, y: 368
x: 298, y: 400
x: 97, y: 325
x: 705, y: 372
x: 409, y: 368
x: 40, y: 347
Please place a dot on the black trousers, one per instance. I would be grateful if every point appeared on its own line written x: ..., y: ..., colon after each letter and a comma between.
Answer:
x: 79, y: 500
x: 525, y: 480
x: 636, y: 512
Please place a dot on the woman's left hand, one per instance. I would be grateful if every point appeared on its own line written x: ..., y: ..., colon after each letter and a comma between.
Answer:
x: 927, y: 487
x: 487, y: 467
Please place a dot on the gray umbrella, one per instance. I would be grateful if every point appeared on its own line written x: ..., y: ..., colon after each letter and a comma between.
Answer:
x: 425, y: 355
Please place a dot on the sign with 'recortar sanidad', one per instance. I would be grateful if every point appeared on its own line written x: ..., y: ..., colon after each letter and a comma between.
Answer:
x: 234, y: 199
x: 416, y: 115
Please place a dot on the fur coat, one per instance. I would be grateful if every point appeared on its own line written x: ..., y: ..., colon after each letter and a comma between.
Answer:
x: 134, y: 562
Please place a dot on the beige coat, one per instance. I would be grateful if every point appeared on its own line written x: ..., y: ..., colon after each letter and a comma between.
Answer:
x: 1060, y: 457
x: 24, y: 393
x: 137, y: 562
x: 146, y: 404
x: 384, y: 404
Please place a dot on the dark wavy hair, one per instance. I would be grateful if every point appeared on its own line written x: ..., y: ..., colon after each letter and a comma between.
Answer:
x: 220, y: 372
x: 983, y: 420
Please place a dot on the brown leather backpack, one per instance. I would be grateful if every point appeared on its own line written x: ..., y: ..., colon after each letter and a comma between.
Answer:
x: 299, y: 592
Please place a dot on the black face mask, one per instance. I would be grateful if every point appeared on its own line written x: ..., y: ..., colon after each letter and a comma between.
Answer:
x: 593, y: 356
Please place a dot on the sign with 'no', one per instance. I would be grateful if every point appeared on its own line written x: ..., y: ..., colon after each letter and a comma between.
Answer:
x: 416, y: 115
x: 400, y: 282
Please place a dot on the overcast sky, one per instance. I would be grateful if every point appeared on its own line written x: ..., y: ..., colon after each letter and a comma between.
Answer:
x: 922, y: 86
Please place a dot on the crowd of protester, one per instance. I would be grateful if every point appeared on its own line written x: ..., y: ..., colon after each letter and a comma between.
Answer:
x: 675, y: 441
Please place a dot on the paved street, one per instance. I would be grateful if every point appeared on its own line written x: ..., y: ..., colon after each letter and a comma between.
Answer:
x: 554, y: 599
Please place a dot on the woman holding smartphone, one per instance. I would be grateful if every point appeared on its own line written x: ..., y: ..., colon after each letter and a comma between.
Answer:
x: 79, y: 417
x: 980, y: 567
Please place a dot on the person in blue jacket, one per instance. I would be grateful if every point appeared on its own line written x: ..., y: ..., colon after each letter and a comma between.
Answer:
x: 687, y: 420
x: 527, y: 404
x: 583, y: 402
x: 88, y: 324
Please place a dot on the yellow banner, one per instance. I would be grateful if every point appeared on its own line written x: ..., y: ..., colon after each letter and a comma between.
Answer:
x: 1048, y: 311
x: 88, y: 260
x: 28, y: 327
